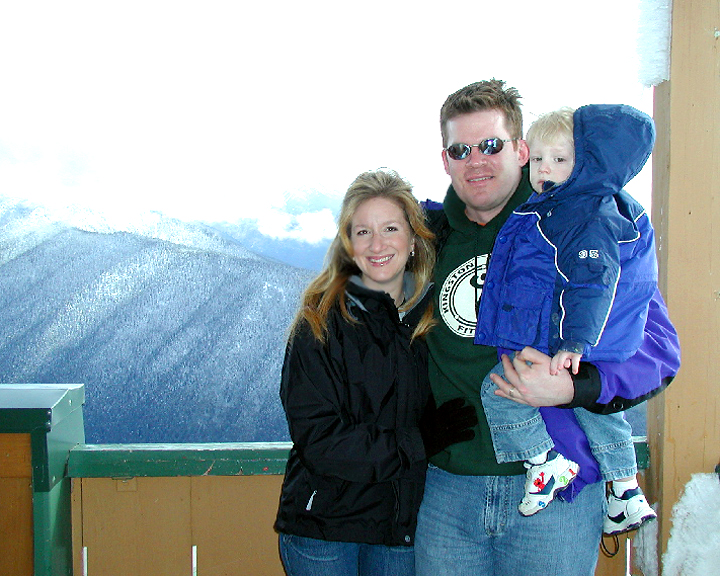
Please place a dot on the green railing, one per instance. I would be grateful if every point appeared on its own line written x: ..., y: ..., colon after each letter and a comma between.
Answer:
x: 52, y: 415
x: 159, y: 460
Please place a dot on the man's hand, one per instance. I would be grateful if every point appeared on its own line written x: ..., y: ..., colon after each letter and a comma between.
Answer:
x: 449, y: 424
x: 528, y: 380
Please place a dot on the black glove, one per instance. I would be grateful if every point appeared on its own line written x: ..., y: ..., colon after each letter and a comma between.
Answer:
x: 449, y: 424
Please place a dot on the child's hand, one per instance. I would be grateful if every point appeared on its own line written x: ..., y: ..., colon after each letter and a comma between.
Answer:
x: 565, y: 359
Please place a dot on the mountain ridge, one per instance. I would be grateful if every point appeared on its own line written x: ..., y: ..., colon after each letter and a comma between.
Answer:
x: 177, y: 333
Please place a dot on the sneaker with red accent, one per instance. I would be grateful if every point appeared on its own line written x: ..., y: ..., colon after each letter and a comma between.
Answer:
x: 627, y: 512
x: 543, y: 481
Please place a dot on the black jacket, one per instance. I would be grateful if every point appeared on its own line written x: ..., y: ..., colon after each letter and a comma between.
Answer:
x: 356, y: 471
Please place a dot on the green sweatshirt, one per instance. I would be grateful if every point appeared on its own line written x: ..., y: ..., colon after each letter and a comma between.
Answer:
x: 457, y: 366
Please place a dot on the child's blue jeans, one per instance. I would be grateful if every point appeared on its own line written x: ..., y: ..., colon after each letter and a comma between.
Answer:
x: 518, y: 433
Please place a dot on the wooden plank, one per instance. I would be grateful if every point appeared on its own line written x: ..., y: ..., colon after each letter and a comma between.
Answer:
x: 165, y: 460
x: 16, y: 505
x: 233, y: 525
x: 15, y: 456
x: 136, y: 526
x: 76, y: 525
x: 684, y: 423
x: 16, y: 527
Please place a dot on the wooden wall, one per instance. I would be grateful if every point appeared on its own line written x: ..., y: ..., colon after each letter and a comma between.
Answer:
x: 16, y: 505
x: 205, y: 525
x: 684, y: 423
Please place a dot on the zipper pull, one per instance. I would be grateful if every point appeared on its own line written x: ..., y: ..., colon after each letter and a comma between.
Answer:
x: 310, y: 502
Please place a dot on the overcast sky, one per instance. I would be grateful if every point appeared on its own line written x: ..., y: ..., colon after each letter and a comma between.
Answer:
x: 220, y: 110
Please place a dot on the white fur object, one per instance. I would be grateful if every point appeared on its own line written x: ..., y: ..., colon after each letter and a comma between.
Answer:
x: 694, y: 544
x: 645, y: 547
x: 654, y: 33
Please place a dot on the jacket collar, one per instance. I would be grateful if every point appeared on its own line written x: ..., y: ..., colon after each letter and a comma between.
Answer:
x: 455, y: 208
x: 361, y: 295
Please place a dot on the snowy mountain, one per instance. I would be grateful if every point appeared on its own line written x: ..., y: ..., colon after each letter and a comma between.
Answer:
x: 299, y: 253
x: 176, y: 331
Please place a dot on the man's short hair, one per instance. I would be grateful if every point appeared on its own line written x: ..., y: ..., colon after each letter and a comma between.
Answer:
x: 484, y: 95
x: 552, y: 126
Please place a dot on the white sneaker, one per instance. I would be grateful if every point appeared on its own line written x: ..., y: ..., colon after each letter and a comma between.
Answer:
x: 543, y: 481
x: 627, y: 512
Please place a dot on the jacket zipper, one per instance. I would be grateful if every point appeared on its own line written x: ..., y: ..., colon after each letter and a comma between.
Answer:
x: 310, y: 502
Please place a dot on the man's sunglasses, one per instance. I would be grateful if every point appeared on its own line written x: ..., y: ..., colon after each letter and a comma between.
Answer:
x: 488, y: 146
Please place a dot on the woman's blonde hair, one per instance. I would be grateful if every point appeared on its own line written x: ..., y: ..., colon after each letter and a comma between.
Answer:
x: 328, y: 288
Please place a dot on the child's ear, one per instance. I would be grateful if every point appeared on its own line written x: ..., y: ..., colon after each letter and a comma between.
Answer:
x: 523, y: 152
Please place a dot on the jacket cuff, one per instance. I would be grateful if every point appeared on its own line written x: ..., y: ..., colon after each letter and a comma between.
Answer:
x: 410, y: 445
x: 588, y: 386
x: 572, y: 346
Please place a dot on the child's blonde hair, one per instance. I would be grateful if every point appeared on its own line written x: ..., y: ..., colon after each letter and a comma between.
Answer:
x: 552, y: 126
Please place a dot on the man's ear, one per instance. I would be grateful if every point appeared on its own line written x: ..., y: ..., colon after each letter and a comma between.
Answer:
x: 445, y: 162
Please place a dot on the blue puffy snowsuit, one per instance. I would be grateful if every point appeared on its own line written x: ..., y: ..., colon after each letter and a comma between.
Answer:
x: 574, y: 268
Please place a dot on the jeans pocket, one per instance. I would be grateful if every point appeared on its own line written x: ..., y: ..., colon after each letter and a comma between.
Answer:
x: 311, y: 548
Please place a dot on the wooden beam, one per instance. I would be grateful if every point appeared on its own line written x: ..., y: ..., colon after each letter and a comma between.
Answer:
x: 684, y: 422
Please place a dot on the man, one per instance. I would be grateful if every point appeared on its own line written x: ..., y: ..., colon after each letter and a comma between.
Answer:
x: 469, y: 523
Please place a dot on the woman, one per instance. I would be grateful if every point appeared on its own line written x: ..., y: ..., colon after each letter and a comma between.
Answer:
x: 354, y: 386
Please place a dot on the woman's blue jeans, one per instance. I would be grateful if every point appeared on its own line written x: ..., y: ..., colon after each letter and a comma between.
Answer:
x: 310, y: 557
x: 470, y: 526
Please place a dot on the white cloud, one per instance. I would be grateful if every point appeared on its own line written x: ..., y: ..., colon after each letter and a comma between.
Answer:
x: 223, y: 110
x: 312, y: 227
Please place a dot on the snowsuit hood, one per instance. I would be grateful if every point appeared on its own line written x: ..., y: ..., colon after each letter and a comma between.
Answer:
x: 612, y: 143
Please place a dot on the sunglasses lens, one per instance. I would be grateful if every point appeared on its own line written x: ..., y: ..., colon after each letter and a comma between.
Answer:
x: 491, y: 146
x: 458, y: 151
x: 488, y: 147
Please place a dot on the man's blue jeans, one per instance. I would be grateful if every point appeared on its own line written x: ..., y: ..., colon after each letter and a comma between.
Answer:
x: 312, y: 557
x: 470, y: 526
x: 518, y: 432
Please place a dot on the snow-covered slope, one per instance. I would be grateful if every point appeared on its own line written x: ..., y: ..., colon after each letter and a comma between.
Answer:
x: 177, y: 332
